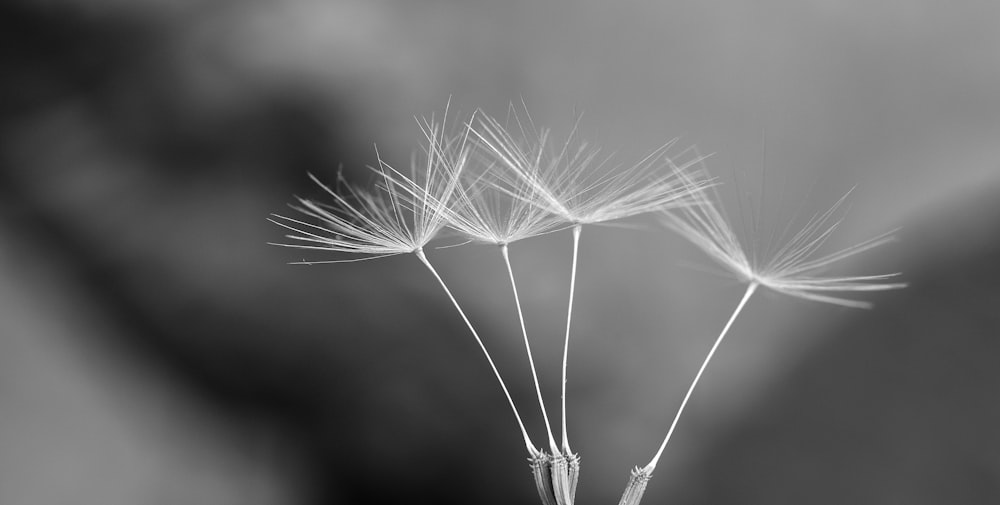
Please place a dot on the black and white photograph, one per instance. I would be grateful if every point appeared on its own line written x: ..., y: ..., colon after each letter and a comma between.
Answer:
x: 485, y: 252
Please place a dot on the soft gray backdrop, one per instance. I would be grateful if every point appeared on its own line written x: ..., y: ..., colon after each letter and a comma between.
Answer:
x: 153, y: 349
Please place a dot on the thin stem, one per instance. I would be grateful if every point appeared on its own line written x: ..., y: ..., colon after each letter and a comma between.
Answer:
x: 527, y: 347
x: 746, y: 296
x: 569, y: 318
x: 527, y: 440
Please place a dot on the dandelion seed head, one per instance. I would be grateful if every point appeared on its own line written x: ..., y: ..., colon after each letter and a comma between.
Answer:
x: 401, y: 215
x: 795, y: 267
x: 580, y: 183
x: 490, y: 208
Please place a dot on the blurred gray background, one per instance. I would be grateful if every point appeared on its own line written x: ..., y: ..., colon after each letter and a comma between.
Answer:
x: 154, y: 349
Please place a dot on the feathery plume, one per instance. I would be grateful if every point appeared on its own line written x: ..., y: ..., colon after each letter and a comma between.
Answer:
x: 402, y: 215
x: 793, y: 269
x: 486, y: 209
x: 490, y: 208
x: 574, y: 182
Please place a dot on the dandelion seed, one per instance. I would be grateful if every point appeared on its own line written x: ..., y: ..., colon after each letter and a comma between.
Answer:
x: 401, y: 216
x: 575, y: 183
x: 489, y: 208
x: 792, y: 269
x: 636, y: 486
x: 480, y: 220
x: 541, y: 470
x: 565, y: 473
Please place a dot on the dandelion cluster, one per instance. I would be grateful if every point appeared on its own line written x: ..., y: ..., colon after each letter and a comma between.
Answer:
x: 497, y: 183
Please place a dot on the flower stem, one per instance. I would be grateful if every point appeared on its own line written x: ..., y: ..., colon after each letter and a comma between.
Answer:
x: 746, y: 296
x: 527, y: 347
x: 527, y: 440
x: 569, y: 318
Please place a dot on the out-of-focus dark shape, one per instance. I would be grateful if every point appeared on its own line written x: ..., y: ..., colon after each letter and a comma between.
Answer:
x: 147, y: 205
